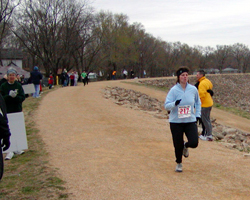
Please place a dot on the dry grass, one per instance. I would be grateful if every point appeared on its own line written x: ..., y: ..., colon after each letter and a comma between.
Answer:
x: 29, y: 176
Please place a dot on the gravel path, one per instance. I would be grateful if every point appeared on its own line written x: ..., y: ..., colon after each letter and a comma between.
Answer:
x: 105, y: 151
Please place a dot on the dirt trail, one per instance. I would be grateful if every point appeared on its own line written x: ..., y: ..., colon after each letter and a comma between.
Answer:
x: 105, y: 151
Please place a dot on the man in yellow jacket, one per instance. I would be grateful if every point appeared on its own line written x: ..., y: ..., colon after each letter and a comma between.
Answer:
x: 204, y: 88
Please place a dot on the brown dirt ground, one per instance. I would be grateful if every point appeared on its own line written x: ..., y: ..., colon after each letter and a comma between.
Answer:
x: 106, y: 151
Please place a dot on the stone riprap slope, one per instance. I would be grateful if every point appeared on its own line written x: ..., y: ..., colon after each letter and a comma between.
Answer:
x: 230, y: 137
x: 230, y: 90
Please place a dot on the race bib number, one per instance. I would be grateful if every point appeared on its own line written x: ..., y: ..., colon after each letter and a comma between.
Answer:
x: 184, y: 111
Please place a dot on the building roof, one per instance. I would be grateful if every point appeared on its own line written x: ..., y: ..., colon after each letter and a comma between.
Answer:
x: 229, y: 69
x: 3, y: 71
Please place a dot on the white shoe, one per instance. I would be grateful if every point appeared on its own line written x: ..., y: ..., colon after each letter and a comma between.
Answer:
x: 9, y: 156
x: 206, y: 138
x: 210, y: 138
x: 19, y: 152
x: 202, y: 137
x: 178, y: 167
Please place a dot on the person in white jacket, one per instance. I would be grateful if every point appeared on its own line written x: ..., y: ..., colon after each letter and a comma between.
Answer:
x: 184, y: 104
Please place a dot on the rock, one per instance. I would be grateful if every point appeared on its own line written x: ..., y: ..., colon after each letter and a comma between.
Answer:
x: 230, y: 145
x: 218, y: 136
x: 246, y: 155
x: 227, y: 131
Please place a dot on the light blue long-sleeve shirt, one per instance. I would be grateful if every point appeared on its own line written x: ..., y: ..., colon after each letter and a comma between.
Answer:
x: 189, y: 98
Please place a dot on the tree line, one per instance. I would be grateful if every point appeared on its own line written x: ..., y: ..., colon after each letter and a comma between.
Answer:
x: 69, y: 34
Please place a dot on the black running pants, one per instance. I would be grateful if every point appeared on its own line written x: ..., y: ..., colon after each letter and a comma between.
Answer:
x: 178, y: 130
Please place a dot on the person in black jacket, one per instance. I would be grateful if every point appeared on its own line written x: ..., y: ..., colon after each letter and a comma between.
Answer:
x: 4, y: 126
x: 4, y: 132
x: 36, y: 78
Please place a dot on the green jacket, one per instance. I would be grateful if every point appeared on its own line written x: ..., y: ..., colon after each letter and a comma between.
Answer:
x: 13, y: 104
x: 83, y: 75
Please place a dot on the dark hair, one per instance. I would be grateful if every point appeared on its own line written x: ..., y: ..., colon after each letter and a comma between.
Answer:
x: 180, y: 71
x: 201, y: 71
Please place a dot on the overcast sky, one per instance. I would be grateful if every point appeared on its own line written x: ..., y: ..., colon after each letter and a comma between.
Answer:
x: 194, y: 22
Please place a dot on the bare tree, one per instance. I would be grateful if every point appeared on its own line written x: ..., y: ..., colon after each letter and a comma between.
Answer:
x: 239, y: 52
x: 204, y: 54
x: 246, y: 61
x: 50, y: 31
x: 172, y: 56
x: 221, y: 54
x: 6, y: 11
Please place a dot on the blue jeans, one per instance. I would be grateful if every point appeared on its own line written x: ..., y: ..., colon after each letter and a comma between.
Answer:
x: 65, y: 83
x: 37, y: 90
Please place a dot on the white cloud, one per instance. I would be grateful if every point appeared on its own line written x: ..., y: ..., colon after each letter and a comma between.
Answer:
x: 194, y: 22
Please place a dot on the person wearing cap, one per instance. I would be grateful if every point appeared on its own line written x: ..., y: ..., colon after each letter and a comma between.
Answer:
x: 205, y: 92
x: 13, y: 94
x: 36, y: 78
x: 64, y: 78
x: 184, y: 104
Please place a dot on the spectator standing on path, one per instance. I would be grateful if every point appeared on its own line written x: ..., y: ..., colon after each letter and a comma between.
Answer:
x: 36, y: 78
x: 125, y: 74
x: 205, y: 87
x: 114, y: 75
x: 84, y: 77
x: 63, y: 78
x: 200, y: 122
x: 66, y: 78
x: 76, y: 78
x: 13, y: 95
x: 51, y: 81
x: 180, y: 101
x: 72, y: 79
x: 203, y: 133
x: 4, y: 131
x: 132, y: 74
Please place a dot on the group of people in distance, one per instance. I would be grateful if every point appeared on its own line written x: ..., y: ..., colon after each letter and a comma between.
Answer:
x: 189, y: 105
x: 125, y: 74
x: 72, y: 78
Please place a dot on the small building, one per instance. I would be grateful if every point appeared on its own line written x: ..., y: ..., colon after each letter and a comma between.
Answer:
x: 212, y: 71
x: 229, y: 70
x: 12, y: 58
